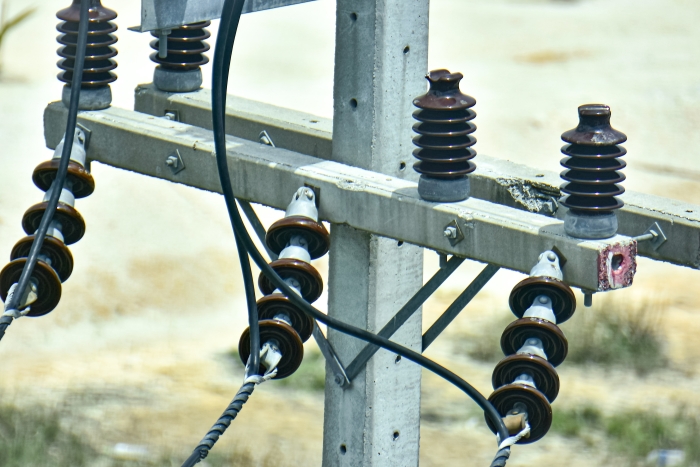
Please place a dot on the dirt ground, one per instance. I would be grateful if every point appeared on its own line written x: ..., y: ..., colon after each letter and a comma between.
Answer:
x: 137, y: 349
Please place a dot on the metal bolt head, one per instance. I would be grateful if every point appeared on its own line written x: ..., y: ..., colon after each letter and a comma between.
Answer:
x: 171, y: 161
x: 450, y: 232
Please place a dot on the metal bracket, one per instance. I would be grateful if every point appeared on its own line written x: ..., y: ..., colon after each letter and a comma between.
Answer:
x: 172, y: 115
x: 175, y: 162
x: 341, y: 377
x: 453, y: 233
x: 264, y: 138
x: 654, y: 235
x: 88, y: 135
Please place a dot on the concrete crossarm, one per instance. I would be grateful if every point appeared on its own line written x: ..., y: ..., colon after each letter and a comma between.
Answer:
x: 365, y: 200
x: 496, y: 180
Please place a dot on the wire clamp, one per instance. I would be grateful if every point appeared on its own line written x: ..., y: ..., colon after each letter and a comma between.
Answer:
x: 13, y: 312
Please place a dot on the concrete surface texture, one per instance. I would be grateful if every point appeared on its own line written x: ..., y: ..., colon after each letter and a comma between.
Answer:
x: 155, y: 302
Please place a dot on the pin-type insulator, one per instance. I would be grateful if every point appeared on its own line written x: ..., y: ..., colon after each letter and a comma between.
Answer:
x: 99, y: 55
x: 44, y: 280
x: 593, y: 174
x: 180, y: 56
x: 444, y: 139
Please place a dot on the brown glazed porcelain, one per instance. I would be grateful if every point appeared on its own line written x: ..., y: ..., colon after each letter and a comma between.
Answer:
x: 525, y: 292
x: 82, y: 183
x: 542, y: 372
x: 72, y: 223
x: 287, y: 339
x: 47, y: 282
x: 539, y: 411
x: 272, y: 305
x: 97, y: 12
x: 306, y: 275
x: 186, y: 46
x: 318, y: 238
x: 553, y: 339
x: 57, y: 253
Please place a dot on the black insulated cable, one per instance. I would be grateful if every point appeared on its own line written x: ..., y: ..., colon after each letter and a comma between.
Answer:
x: 58, y: 184
x: 229, y: 25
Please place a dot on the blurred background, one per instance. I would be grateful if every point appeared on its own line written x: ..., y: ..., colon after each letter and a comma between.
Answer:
x: 139, y: 358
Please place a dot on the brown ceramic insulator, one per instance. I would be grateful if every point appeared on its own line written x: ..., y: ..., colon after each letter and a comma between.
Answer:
x: 592, y: 174
x: 81, y: 182
x: 554, y: 343
x: 58, y: 254
x: 310, y: 281
x: 525, y: 292
x: 275, y: 304
x: 72, y: 223
x: 444, y: 128
x: 186, y: 47
x: 285, y: 337
x: 47, y: 282
x: 542, y: 372
x: 316, y: 235
x: 97, y: 71
x: 539, y: 411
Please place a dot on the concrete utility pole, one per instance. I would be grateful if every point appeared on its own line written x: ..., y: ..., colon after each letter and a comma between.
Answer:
x: 380, y: 61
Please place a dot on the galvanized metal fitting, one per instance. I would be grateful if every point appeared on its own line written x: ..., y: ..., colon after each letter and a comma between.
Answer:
x: 303, y: 204
x: 547, y: 266
x: 78, y: 153
x: 541, y: 308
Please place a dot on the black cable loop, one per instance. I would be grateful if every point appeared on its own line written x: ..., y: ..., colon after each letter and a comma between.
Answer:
x: 60, y: 180
x: 228, y: 26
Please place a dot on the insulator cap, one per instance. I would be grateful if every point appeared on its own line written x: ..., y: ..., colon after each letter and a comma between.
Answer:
x: 47, y: 281
x: 275, y: 304
x: 72, y: 223
x: 309, y: 279
x: 316, y: 235
x: 81, y: 182
x: 554, y: 342
x: 55, y: 250
x: 539, y: 410
x: 542, y: 372
x: 527, y: 290
x: 287, y: 339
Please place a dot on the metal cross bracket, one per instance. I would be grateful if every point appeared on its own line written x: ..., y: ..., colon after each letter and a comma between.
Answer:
x: 654, y: 235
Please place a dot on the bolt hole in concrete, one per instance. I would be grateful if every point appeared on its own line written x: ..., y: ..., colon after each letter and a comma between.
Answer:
x: 398, y: 359
x: 313, y: 121
x: 400, y: 243
x: 353, y: 103
x: 343, y: 449
x: 402, y: 166
x: 617, y: 262
x: 406, y: 50
x: 396, y: 435
x: 353, y: 16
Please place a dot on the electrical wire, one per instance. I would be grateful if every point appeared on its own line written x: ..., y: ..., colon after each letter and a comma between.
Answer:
x: 222, y: 61
x: 59, y: 182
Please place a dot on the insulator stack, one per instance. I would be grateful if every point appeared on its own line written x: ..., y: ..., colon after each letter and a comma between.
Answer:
x: 297, y: 238
x: 99, y: 55
x: 444, y: 139
x: 179, y: 59
x: 593, y: 174
x: 525, y: 381
x: 55, y: 263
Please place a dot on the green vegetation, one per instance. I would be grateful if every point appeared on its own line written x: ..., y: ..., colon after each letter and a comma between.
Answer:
x: 610, y: 334
x: 35, y: 438
x: 633, y: 433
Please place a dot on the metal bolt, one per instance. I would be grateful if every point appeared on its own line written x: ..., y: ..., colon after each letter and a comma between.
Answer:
x: 450, y: 232
x: 172, y: 161
x: 338, y: 380
x: 587, y: 299
x: 170, y: 116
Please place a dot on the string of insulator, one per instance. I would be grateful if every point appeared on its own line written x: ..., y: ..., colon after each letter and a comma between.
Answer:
x: 298, y: 238
x: 55, y: 263
x: 525, y: 381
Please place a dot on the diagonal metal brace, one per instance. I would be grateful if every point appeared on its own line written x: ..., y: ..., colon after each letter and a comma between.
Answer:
x: 339, y: 373
x: 404, y: 314
x: 458, y: 305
